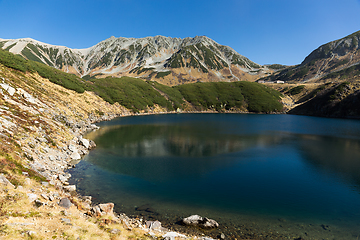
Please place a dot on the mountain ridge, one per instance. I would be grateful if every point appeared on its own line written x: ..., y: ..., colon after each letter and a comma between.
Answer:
x: 177, y: 60
x: 328, y: 61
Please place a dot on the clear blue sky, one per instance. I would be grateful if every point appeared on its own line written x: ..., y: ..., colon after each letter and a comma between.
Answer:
x: 265, y: 31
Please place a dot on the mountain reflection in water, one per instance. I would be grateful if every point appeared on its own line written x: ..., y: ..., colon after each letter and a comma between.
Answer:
x: 333, y: 155
x: 158, y: 152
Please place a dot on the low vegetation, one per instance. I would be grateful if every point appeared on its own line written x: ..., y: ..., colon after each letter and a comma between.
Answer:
x: 139, y: 95
x: 296, y: 90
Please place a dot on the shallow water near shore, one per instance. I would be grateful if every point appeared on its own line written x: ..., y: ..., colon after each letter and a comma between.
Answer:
x: 259, y: 176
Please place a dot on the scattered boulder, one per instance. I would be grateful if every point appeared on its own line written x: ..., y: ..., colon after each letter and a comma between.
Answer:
x: 107, y: 208
x: 70, y: 188
x: 5, y: 182
x: 32, y: 197
x: 62, y: 178
x: 92, y: 144
x: 75, y: 156
x: 102, y: 209
x: 85, y: 143
x: 65, y: 203
x: 155, y: 225
x: 196, y: 220
x: 72, y: 148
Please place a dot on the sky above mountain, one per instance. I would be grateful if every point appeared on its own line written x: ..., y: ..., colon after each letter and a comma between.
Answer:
x: 278, y: 31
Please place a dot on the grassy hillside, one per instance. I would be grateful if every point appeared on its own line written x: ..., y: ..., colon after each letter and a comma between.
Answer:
x: 138, y: 95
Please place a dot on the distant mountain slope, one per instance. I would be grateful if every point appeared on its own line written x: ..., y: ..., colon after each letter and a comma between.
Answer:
x: 330, y: 60
x: 170, y: 61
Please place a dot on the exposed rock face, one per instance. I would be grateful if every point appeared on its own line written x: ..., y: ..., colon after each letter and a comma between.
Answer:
x: 196, y: 220
x: 158, y: 58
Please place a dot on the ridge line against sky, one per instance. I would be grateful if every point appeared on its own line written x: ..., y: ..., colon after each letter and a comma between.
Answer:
x: 266, y: 32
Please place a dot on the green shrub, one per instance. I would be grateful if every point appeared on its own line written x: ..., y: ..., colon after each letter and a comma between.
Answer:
x: 296, y: 90
x: 162, y: 74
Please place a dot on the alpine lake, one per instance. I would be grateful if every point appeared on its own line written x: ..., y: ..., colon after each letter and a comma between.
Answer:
x: 258, y: 176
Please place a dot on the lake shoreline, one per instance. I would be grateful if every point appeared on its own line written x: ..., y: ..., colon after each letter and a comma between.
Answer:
x: 249, y: 229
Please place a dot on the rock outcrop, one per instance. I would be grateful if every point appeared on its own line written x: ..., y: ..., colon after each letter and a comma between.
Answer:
x: 203, y: 222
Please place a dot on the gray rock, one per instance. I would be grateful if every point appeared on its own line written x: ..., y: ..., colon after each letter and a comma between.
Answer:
x: 44, y: 196
x: 51, y: 198
x: 106, y: 208
x: 72, y: 148
x: 196, y: 220
x: 222, y: 236
x: 65, y: 203
x: 153, y: 225
x: 8, y: 88
x: 65, y: 220
x: 5, y: 182
x: 75, y: 156
x: 92, y: 144
x: 85, y: 143
x: 115, y: 231
x: 45, y: 184
x: 70, y: 188
x: 62, y: 178
x: 95, y: 211
x: 41, y: 139
x: 32, y: 197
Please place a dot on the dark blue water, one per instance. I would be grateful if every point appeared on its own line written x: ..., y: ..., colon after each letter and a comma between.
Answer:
x: 231, y: 167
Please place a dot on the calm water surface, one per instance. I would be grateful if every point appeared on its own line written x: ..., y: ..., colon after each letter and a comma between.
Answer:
x: 275, y: 171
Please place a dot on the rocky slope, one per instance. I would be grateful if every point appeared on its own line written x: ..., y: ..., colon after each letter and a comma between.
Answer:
x: 41, y: 127
x: 334, y: 60
x: 170, y: 61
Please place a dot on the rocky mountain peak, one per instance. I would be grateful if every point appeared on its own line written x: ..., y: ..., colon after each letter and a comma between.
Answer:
x: 168, y: 60
x: 337, y: 48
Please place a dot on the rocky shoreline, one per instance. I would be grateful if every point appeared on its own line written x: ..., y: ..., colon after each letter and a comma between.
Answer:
x: 43, y: 126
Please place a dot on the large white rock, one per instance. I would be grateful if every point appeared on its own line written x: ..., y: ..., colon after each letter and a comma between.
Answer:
x: 72, y: 148
x: 85, y: 143
x: 75, y: 156
x: 70, y: 188
x: 196, y: 220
